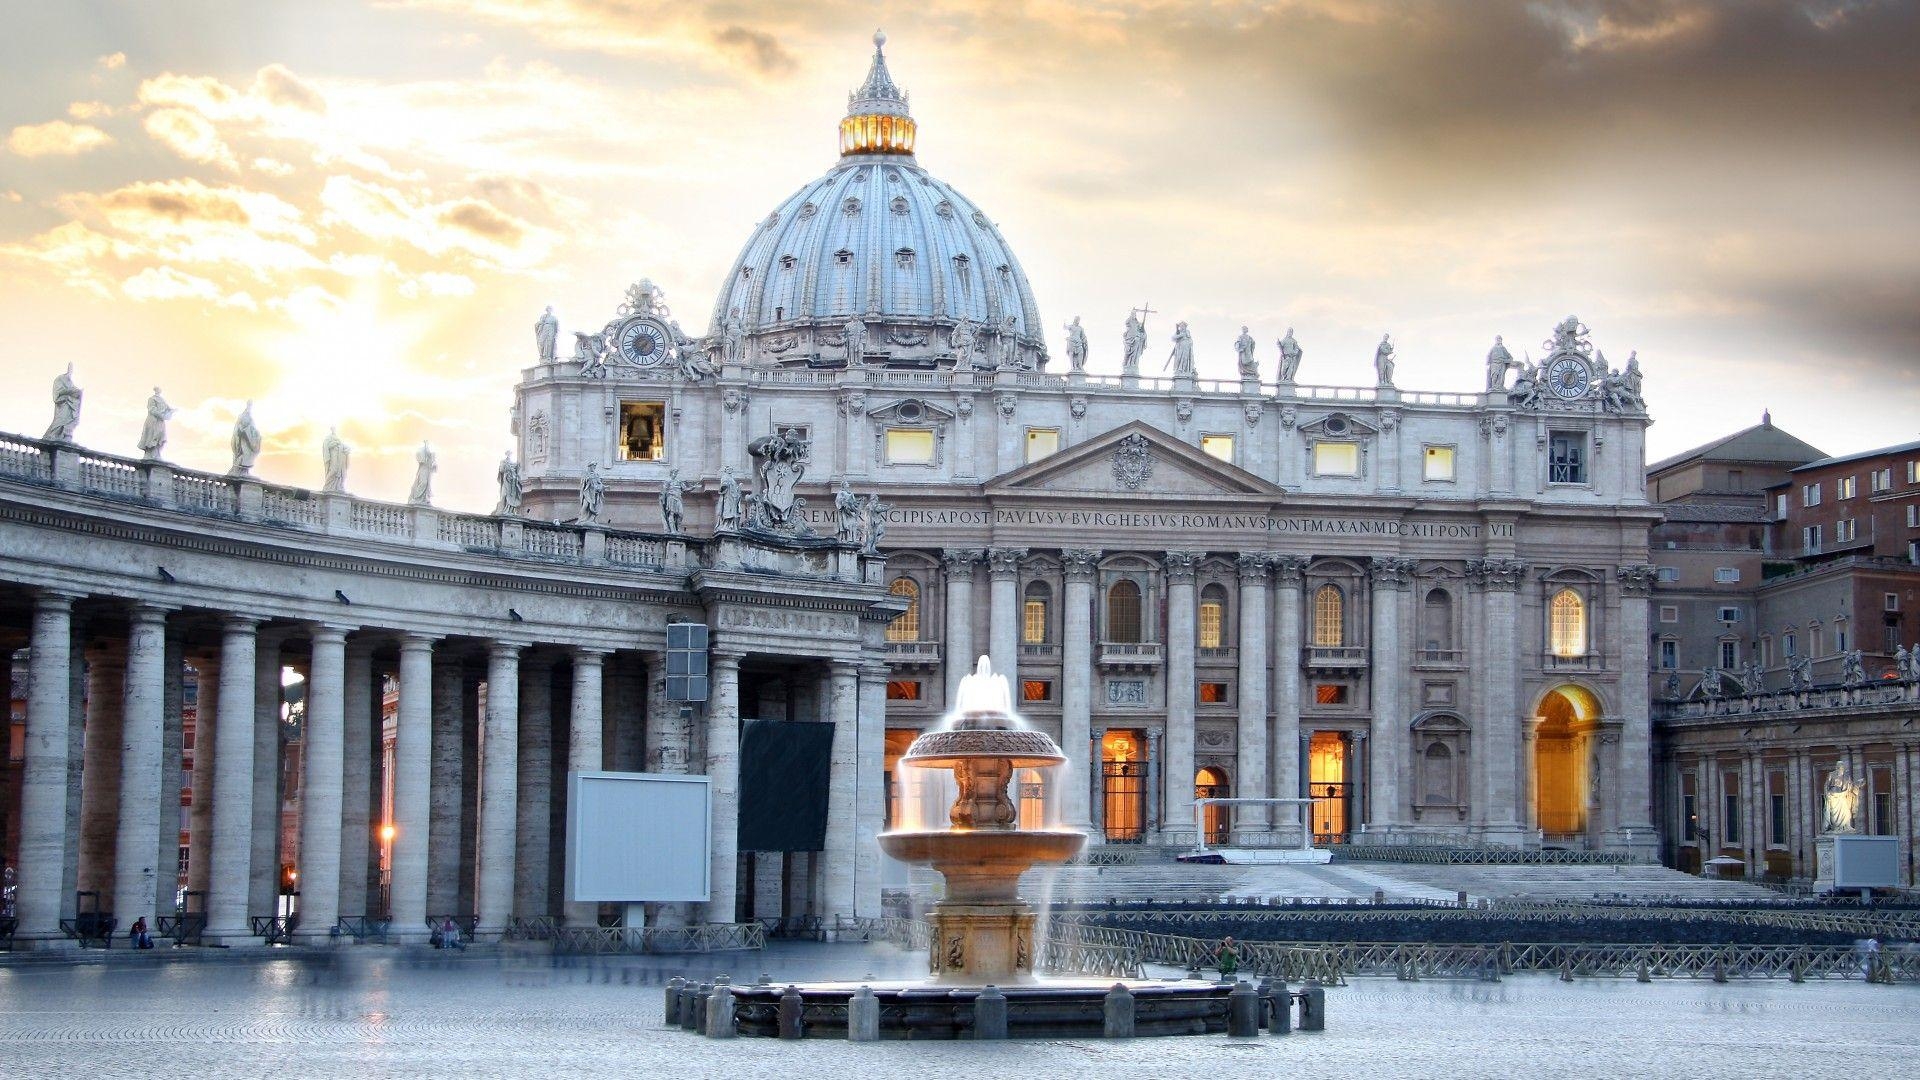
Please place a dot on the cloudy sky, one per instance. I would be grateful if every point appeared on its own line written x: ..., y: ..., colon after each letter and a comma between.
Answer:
x: 352, y: 212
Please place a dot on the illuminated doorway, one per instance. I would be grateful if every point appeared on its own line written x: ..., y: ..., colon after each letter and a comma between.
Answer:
x: 1123, y: 776
x: 1328, y: 787
x: 1211, y: 783
x: 1560, y: 770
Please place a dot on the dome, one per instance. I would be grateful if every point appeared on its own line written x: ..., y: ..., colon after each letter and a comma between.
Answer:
x: 881, y: 246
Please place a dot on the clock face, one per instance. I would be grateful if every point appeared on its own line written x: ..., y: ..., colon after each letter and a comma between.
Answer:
x: 642, y: 342
x: 1568, y: 378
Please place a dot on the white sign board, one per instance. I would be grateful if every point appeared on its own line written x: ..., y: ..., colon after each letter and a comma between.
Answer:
x: 638, y: 836
x: 1866, y: 862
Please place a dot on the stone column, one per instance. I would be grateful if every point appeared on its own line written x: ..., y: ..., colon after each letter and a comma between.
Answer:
x: 1288, y: 783
x: 357, y: 798
x: 1096, y: 785
x: 870, y: 801
x: 837, y: 883
x: 723, y: 771
x: 76, y: 762
x: 1076, y: 676
x: 669, y: 738
x: 472, y: 720
x: 100, y: 769
x: 583, y: 748
x: 500, y: 780
x: 43, y: 786
x: 448, y: 782
x: 1003, y: 614
x: 412, y: 790
x: 322, y: 785
x: 166, y: 866
x: 1499, y: 666
x: 1155, y: 770
x: 535, y: 798
x: 1634, y: 803
x: 206, y: 713
x: 1252, y: 752
x: 1179, y: 773
x: 263, y: 887
x: 1390, y: 576
x: 229, y: 877
x: 959, y: 564
x: 142, y: 784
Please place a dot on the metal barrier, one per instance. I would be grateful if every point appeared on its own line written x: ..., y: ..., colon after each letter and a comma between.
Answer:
x: 365, y: 927
x: 1458, y: 856
x: 275, y: 929
x: 1088, y: 959
x: 704, y: 938
x: 184, y: 928
x: 1864, y: 922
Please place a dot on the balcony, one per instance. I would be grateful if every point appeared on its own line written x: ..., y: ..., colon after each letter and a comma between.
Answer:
x: 1589, y: 662
x: 1219, y: 654
x: 1130, y: 655
x: 913, y: 654
x: 1440, y: 658
x: 1335, y: 657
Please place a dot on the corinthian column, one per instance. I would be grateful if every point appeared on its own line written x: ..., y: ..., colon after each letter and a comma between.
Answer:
x: 1289, y: 572
x: 500, y: 782
x: 723, y: 772
x: 1003, y: 616
x: 322, y: 790
x: 357, y: 712
x: 264, y: 851
x: 1177, y: 815
x: 958, y: 564
x: 1076, y: 674
x: 1251, y: 733
x: 1390, y: 577
x: 230, y: 876
x: 43, y: 788
x: 142, y: 785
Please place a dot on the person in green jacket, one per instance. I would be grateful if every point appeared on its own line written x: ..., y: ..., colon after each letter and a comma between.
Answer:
x: 1227, y: 959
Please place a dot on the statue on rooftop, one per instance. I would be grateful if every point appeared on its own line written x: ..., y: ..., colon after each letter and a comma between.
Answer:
x: 1133, y: 344
x: 1751, y: 681
x: 1289, y: 357
x: 1903, y: 664
x: 1853, y: 669
x: 512, y: 487
x: 1243, y: 351
x: 673, y: 505
x: 846, y: 513
x: 856, y: 332
x: 425, y: 465
x: 1525, y: 391
x: 546, y: 335
x: 246, y: 443
x: 873, y: 522
x: 960, y: 339
x: 153, y: 433
x: 593, y: 494
x: 1383, y: 360
x: 590, y: 352
x: 728, y: 506
x: 66, y: 408
x: 1010, y: 344
x: 1076, y: 346
x: 1800, y: 673
x: 333, y: 461
x: 1499, y: 362
x: 733, y: 338
x: 1181, y: 358
x: 782, y: 458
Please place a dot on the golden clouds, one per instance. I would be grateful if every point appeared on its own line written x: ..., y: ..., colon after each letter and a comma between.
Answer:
x: 190, y: 135
x: 56, y: 138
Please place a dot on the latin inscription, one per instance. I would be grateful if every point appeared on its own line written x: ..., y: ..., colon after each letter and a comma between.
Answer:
x: 806, y: 622
x: 1223, y: 521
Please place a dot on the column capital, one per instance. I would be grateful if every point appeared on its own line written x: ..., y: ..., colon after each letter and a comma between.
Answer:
x: 1496, y: 574
x: 592, y: 654
x: 1005, y: 562
x: 727, y: 657
x: 1291, y: 569
x: 1253, y: 567
x: 412, y: 642
x: 1391, y: 571
x: 1636, y: 579
x: 232, y: 622
x: 145, y: 611
x: 1180, y: 565
x: 961, y: 560
x: 841, y: 669
x: 875, y: 671
x: 1080, y: 563
x: 329, y: 631
x: 56, y: 599
x: 504, y: 650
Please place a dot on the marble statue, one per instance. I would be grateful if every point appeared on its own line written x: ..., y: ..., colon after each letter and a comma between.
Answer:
x: 1181, y: 358
x: 1499, y: 362
x: 1751, y: 683
x: 1800, y: 673
x: 1525, y: 391
x: 782, y: 459
x: 246, y: 443
x: 694, y: 365
x: 645, y: 298
x: 1853, y: 669
x: 590, y: 352
x: 1289, y: 357
x: 727, y: 507
x: 333, y: 461
x: 1383, y: 360
x: 153, y: 433
x: 1841, y: 805
x: 873, y: 522
x: 1673, y: 685
x: 1009, y: 343
x: 1630, y: 380
x: 593, y: 494
x: 1709, y: 686
x: 1243, y: 350
x: 846, y: 513
x: 546, y: 335
x: 1903, y: 664
x: 856, y: 331
x: 1076, y: 346
x: 1133, y: 344
x: 733, y: 338
x: 960, y: 338
x: 673, y: 505
x: 425, y: 465
x: 512, y: 487
x: 66, y: 408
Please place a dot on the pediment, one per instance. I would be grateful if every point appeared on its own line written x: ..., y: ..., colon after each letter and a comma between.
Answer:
x: 911, y: 410
x: 1133, y: 459
x: 1339, y: 425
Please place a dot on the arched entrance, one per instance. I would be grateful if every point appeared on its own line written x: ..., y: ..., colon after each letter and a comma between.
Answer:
x: 1562, y: 777
x: 1211, y: 783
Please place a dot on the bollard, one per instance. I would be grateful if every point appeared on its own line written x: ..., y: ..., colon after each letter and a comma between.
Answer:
x: 764, y: 980
x: 1460, y: 897
x: 1243, y: 1011
x: 790, y: 1010
x: 863, y: 1016
x: 1719, y: 972
x: 1798, y: 972
x: 1280, y: 1009
x: 1566, y: 971
x: 672, y: 1006
x: 990, y: 1014
x: 1379, y: 896
x: 1193, y: 970
x: 1119, y: 1012
x: 696, y: 1017
x: 1313, y: 1009
x: 1642, y: 974
x: 720, y: 1010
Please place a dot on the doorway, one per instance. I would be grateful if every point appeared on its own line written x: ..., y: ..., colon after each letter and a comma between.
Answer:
x: 1211, y: 783
x: 1327, y: 755
x: 1123, y: 778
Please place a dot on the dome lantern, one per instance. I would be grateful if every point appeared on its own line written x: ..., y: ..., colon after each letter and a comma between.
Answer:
x: 877, y: 121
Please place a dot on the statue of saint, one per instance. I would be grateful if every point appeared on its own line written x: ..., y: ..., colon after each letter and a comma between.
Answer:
x: 66, y: 408
x: 673, y: 506
x: 1841, y: 809
x: 512, y: 487
x: 727, y: 507
x: 693, y: 363
x: 846, y: 513
x: 546, y: 335
x: 1243, y: 349
x: 1010, y: 344
x: 1133, y: 344
x: 960, y: 338
x: 425, y: 464
x: 1903, y: 664
x: 1289, y: 357
x: 1630, y: 382
x: 246, y: 443
x: 856, y: 331
x: 1181, y: 358
x: 590, y: 352
x: 153, y: 433
x: 1853, y: 669
x: 1499, y: 362
x: 873, y: 522
x: 333, y: 459
x: 733, y: 338
x: 1525, y: 391
x: 593, y: 494
x: 1383, y: 360
x: 1800, y: 674
x: 1076, y: 346
x: 1709, y: 687
x: 1751, y: 682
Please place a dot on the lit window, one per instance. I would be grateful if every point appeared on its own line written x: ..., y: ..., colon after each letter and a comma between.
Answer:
x: 1213, y: 693
x: 1329, y: 694
x: 1123, y: 611
x: 1220, y: 446
x: 1328, y: 617
x: 1336, y: 459
x: 909, y: 446
x: 1845, y: 487
x: 1033, y: 613
x: 1212, y: 614
x: 903, y: 690
x: 1567, y: 624
x: 906, y: 625
x: 1036, y: 690
x: 1042, y: 442
x: 1438, y: 463
x: 643, y: 431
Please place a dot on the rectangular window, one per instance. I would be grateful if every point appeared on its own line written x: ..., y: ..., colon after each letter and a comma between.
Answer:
x: 1669, y: 613
x: 1882, y: 479
x: 1667, y: 573
x: 1438, y: 464
x: 1845, y: 530
x: 1567, y: 458
x: 1845, y: 487
x: 1780, y: 506
x: 1669, y: 655
x: 1033, y: 622
x: 1777, y: 809
x: 1729, y: 614
x: 909, y: 446
x: 1729, y: 654
x: 903, y: 690
x: 1336, y: 459
x: 1913, y: 552
x: 643, y: 431
x: 1329, y: 694
x: 1036, y: 689
x: 1913, y: 515
x: 1913, y: 472
x: 1810, y: 495
x: 1880, y: 800
x: 1220, y: 446
x: 1790, y: 645
x: 1042, y: 442
x: 1689, y: 809
x: 1730, y: 809
x: 1810, y: 540
x: 1891, y: 601
x: 1725, y: 575
x: 1213, y: 693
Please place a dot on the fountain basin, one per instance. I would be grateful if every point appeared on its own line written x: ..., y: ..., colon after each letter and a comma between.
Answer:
x: 1053, y: 1009
x: 983, y: 866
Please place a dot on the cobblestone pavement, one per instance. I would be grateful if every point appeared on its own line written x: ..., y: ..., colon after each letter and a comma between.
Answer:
x: 375, y: 1013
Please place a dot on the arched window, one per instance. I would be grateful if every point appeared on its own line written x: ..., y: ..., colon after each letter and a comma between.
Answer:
x: 1567, y: 624
x: 906, y: 625
x: 1033, y: 613
x: 1436, y: 620
x: 1213, y: 616
x: 1329, y: 617
x: 1123, y: 611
